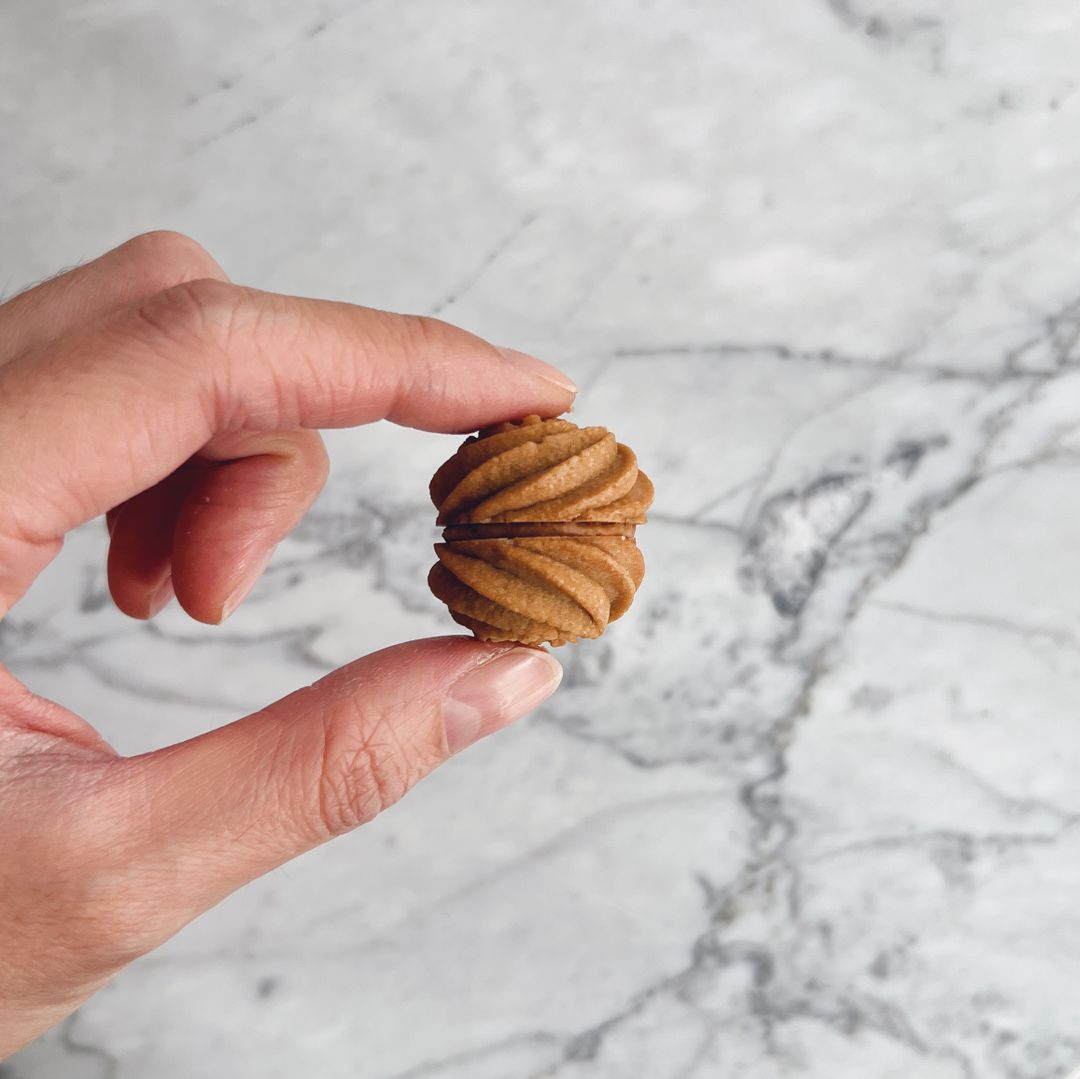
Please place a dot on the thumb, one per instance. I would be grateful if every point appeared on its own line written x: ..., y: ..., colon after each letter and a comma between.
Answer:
x: 234, y: 803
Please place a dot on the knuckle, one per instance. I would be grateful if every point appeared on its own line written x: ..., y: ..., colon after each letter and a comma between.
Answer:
x: 303, y: 468
x: 306, y: 453
x: 166, y: 254
x: 434, y: 346
x: 426, y: 334
x: 350, y: 793
x: 191, y: 310
x: 356, y: 785
x: 365, y: 769
x: 319, y: 461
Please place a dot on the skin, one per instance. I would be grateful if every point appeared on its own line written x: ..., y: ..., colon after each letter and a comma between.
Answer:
x: 146, y: 387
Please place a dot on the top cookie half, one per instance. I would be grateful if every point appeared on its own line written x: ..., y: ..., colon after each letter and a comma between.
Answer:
x: 541, y: 470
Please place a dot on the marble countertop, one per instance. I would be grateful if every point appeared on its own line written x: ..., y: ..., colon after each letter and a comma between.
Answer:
x: 811, y: 810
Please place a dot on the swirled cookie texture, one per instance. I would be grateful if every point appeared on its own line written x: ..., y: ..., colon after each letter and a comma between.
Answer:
x: 539, y: 520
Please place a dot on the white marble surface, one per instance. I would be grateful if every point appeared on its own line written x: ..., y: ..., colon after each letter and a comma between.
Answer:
x: 811, y: 810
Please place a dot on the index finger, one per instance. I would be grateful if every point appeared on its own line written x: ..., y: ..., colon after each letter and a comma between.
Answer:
x: 110, y: 410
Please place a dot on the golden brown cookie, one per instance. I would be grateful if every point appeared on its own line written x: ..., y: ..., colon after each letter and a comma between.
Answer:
x: 539, y: 523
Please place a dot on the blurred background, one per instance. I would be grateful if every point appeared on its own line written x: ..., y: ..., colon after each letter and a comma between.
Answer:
x: 810, y: 810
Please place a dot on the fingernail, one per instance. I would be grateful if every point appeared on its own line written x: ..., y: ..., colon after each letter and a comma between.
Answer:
x: 160, y: 597
x: 246, y: 584
x: 493, y: 695
x: 539, y: 368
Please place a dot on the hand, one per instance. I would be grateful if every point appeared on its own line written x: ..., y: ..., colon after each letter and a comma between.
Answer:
x: 146, y: 387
